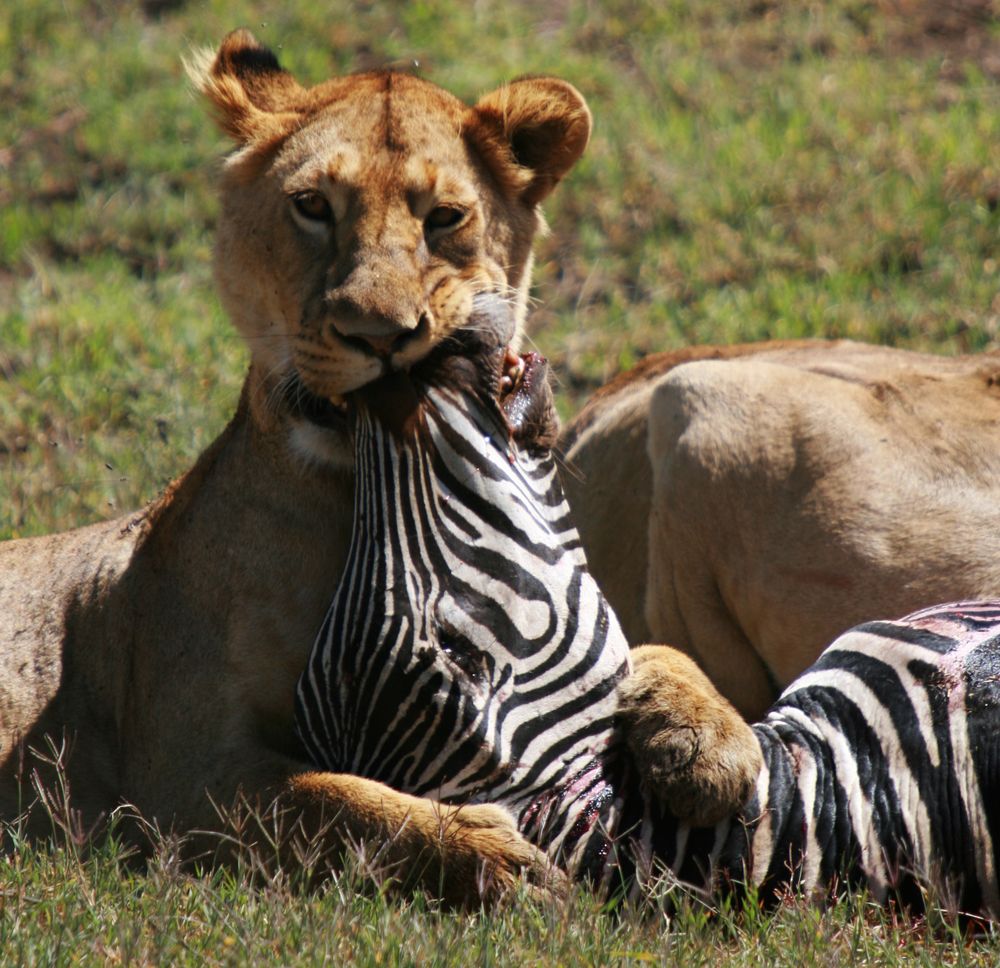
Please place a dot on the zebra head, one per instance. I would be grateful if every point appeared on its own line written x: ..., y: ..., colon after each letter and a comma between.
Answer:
x: 467, y: 653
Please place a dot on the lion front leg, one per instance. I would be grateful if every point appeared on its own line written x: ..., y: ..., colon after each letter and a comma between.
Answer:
x: 465, y: 856
x: 696, y: 754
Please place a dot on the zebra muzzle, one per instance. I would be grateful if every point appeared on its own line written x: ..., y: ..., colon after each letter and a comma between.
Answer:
x: 526, y: 400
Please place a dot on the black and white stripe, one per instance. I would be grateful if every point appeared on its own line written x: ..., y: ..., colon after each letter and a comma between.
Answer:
x: 881, y: 770
x: 467, y: 649
x: 468, y: 655
x: 883, y: 762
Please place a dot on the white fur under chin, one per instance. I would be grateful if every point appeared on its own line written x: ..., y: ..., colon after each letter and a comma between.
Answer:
x: 321, y: 446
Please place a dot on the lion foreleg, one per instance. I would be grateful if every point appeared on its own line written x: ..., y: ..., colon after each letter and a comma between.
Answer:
x: 466, y: 856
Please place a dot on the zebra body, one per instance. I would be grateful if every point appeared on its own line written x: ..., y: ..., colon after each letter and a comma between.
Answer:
x: 880, y: 770
x: 882, y: 762
x: 468, y: 655
x: 465, y: 594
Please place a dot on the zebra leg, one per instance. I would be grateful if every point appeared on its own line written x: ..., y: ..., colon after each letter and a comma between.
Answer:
x: 467, y: 856
x: 695, y: 753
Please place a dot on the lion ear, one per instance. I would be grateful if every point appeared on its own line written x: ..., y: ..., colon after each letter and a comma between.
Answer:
x: 531, y: 131
x: 254, y: 98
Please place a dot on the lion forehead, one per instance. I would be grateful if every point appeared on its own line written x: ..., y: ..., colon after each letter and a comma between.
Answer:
x: 395, y: 137
x: 390, y: 111
x: 326, y: 154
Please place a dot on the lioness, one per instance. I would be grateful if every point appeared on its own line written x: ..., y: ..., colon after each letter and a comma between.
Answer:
x: 780, y: 493
x: 159, y: 652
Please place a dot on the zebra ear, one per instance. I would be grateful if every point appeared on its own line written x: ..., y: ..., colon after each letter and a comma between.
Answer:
x: 254, y: 98
x: 531, y: 132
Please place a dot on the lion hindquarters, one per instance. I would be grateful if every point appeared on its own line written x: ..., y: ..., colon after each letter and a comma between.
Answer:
x: 721, y: 460
x: 794, y: 499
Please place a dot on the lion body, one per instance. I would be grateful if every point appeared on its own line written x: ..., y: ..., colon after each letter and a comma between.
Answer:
x: 152, y: 660
x: 159, y: 647
x: 780, y: 493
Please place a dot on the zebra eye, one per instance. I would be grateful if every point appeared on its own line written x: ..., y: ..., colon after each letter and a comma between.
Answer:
x: 462, y: 653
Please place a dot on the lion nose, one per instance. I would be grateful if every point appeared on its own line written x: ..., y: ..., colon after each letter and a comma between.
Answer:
x: 383, y: 345
x: 391, y: 344
x: 378, y: 333
x: 377, y: 308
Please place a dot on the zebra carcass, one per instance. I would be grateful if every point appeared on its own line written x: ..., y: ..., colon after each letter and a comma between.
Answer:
x: 468, y: 653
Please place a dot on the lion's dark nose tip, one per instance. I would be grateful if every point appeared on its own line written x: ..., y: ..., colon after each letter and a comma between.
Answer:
x: 387, y: 345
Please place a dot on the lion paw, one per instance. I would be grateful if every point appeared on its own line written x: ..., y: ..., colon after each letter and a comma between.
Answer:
x: 696, y: 754
x: 466, y: 856
x: 484, y: 858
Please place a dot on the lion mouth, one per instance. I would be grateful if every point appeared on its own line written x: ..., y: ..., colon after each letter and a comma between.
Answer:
x: 332, y: 414
x: 306, y: 405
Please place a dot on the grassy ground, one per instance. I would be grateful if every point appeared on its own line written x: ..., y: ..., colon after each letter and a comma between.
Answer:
x: 58, y: 908
x: 758, y: 170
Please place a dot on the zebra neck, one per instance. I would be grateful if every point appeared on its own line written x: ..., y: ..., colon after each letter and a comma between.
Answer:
x: 579, y: 820
x: 601, y: 826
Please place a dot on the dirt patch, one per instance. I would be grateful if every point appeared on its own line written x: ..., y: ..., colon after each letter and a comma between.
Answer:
x: 962, y: 30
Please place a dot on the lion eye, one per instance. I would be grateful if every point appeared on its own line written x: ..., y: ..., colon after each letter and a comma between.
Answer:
x: 443, y: 217
x: 313, y: 206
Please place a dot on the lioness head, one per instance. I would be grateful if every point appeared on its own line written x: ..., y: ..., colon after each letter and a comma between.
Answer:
x: 361, y: 216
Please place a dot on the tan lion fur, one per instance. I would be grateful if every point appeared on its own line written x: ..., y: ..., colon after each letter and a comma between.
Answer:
x: 159, y: 652
x: 780, y: 493
x: 693, y: 750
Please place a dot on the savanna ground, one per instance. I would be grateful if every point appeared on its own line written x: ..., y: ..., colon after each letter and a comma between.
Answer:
x: 758, y: 170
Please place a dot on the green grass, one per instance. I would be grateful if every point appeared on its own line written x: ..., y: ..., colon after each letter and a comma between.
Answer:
x: 757, y: 170
x: 57, y: 907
